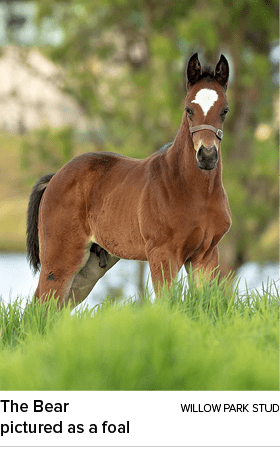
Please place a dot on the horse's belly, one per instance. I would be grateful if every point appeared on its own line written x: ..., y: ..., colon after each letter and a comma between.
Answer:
x: 114, y: 222
x: 121, y: 247
x: 120, y: 239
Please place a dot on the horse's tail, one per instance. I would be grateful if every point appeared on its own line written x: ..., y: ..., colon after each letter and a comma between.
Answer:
x: 32, y: 240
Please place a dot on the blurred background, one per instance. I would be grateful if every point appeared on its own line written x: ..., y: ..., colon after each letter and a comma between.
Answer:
x: 108, y: 75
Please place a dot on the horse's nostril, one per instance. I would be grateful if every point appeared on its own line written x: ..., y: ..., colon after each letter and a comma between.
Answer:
x: 207, y: 158
x: 208, y: 151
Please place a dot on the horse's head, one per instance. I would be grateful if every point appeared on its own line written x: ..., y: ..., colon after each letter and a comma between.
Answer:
x: 206, y: 108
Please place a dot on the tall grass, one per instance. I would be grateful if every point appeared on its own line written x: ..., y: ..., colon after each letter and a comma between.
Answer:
x: 207, y: 338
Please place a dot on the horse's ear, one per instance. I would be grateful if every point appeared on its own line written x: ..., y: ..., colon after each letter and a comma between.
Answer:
x: 193, y: 70
x: 222, y: 71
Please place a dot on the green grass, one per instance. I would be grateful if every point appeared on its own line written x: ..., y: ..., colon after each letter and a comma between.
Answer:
x: 200, y: 339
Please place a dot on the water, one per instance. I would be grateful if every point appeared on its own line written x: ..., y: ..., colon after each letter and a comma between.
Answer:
x: 16, y: 279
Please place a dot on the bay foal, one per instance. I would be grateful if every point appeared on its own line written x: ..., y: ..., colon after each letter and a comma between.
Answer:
x: 170, y: 209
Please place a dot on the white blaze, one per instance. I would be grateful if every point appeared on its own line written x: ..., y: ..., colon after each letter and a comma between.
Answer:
x: 206, y: 98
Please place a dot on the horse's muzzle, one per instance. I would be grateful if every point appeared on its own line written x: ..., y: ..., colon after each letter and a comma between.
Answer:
x: 207, y: 158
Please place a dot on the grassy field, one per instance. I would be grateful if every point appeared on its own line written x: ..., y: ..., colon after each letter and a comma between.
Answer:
x: 196, y: 339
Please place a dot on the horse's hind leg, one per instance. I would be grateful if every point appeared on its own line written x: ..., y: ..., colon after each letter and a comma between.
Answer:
x: 57, y: 273
x: 68, y: 269
x: 71, y: 281
x: 88, y: 276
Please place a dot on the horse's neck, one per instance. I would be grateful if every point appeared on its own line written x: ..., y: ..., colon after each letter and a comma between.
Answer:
x: 182, y: 157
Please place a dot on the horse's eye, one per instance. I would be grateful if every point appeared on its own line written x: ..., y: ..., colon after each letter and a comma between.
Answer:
x: 224, y: 112
x: 189, y: 111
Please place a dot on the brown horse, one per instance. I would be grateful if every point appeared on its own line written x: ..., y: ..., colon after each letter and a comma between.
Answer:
x: 169, y: 209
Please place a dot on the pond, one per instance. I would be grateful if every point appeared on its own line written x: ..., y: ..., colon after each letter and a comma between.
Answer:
x: 16, y: 279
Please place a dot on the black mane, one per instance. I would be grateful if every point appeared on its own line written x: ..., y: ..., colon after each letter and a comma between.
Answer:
x: 207, y: 72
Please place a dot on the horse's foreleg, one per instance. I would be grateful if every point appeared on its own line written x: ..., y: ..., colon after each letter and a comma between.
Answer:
x: 164, y: 267
x: 204, y: 268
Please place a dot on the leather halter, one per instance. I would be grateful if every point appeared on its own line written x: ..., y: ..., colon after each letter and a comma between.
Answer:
x: 217, y: 131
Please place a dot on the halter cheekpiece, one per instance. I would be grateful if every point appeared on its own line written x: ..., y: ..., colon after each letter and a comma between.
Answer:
x: 217, y: 131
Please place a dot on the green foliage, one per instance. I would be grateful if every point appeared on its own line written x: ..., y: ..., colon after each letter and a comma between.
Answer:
x: 201, y: 28
x: 46, y: 151
x: 184, y: 341
x: 253, y: 196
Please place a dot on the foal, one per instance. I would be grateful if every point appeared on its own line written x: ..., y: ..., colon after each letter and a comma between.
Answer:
x: 170, y: 209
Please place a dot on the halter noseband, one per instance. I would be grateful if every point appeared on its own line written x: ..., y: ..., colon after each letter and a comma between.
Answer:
x: 218, y: 132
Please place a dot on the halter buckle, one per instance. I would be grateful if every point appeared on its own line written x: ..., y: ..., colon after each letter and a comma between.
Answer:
x: 219, y: 134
